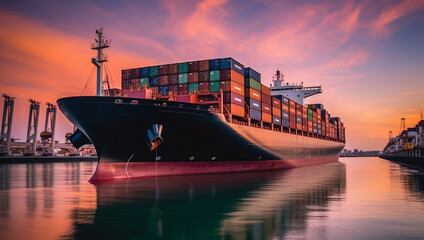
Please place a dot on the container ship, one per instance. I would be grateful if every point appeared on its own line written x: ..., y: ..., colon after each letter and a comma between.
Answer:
x: 408, y: 147
x: 198, y: 117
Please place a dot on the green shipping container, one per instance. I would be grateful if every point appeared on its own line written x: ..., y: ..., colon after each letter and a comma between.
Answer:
x: 214, y: 75
x: 182, y: 67
x: 214, y: 87
x: 309, y: 111
x: 144, y: 81
x: 251, y: 83
x: 309, y: 117
x: 153, y: 71
x: 182, y: 78
x: 193, y: 87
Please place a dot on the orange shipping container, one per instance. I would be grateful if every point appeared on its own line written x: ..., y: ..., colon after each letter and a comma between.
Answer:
x: 266, y: 117
x: 234, y: 109
x: 252, y: 93
x: 232, y: 86
x: 237, y: 77
x: 276, y: 112
x: 266, y: 90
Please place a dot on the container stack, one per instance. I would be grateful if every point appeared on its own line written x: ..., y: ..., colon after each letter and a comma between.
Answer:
x: 240, y: 87
x: 276, y: 111
x: 292, y: 114
x: 253, y: 93
x: 285, y: 112
x: 266, y: 104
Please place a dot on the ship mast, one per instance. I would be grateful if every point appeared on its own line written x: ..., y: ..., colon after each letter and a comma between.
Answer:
x: 99, y: 45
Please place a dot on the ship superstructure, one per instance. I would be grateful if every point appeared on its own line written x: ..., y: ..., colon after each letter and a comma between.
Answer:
x: 296, y: 92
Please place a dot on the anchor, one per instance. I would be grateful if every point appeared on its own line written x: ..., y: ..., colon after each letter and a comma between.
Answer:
x: 153, y: 136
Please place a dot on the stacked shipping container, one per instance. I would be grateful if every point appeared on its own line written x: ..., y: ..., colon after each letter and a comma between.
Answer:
x: 243, y: 95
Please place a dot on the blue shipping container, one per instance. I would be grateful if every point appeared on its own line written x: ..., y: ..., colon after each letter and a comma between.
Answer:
x: 284, y: 100
x: 255, y: 114
x: 154, y: 81
x: 214, y: 64
x: 298, y: 119
x: 286, y: 123
x: 163, y: 90
x: 249, y: 72
x: 276, y: 120
x: 230, y: 63
x: 254, y: 104
x: 285, y: 115
x: 144, y: 71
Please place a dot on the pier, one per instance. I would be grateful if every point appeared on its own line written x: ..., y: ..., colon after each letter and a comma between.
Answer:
x: 37, y: 147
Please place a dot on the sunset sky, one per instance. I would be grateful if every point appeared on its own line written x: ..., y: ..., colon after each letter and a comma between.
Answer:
x: 368, y: 56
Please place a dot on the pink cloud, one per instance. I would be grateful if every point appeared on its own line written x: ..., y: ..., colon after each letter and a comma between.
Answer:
x: 381, y: 26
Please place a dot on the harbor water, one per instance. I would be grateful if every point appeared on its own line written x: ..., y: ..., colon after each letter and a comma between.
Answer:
x: 355, y: 198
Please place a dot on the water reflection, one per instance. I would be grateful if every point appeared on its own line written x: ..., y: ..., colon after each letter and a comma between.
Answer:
x: 412, y: 179
x: 35, y: 198
x: 230, y: 206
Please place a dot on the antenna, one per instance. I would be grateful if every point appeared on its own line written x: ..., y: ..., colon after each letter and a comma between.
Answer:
x: 99, y: 45
x: 390, y: 135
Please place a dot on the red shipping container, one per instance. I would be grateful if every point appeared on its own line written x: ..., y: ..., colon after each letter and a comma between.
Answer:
x: 155, y: 91
x: 293, y: 112
x: 204, y: 76
x: 266, y: 90
x: 292, y: 117
x: 305, y: 128
x: 299, y: 113
x: 173, y: 68
x: 276, y: 111
x: 252, y: 93
x: 182, y: 89
x: 293, y: 124
x: 193, y: 66
x: 266, y: 99
x: 229, y: 74
x: 266, y: 108
x: 234, y: 98
x: 172, y: 90
x: 204, y: 87
x: 173, y: 79
x: 233, y: 87
x: 125, y: 74
x: 126, y: 84
x: 284, y: 107
x: 266, y: 117
x: 276, y: 102
x: 204, y: 65
x: 163, y: 80
x: 292, y: 103
x: 163, y: 69
x: 193, y: 77
x: 234, y: 109
x: 299, y: 126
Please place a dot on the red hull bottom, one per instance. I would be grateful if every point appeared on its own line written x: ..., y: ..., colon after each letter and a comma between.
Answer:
x: 133, y: 170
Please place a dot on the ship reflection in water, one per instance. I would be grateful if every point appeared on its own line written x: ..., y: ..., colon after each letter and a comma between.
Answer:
x: 253, y: 205
x: 352, y: 199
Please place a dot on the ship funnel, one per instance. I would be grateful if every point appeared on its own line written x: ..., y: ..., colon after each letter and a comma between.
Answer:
x: 154, y: 138
x: 79, y: 139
